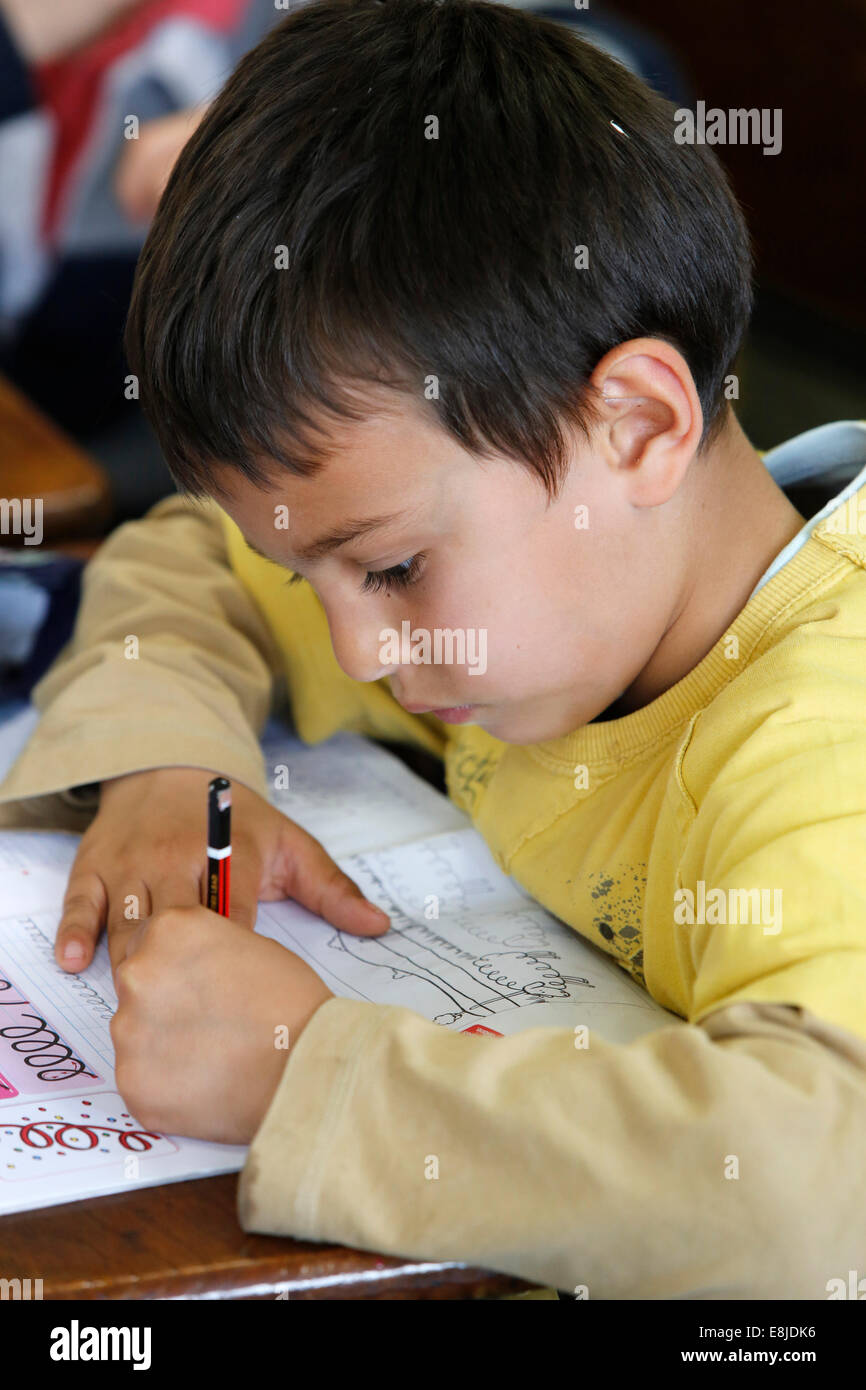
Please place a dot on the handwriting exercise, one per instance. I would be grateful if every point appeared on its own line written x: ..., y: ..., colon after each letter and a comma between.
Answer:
x: 39, y: 1142
x: 34, y: 1053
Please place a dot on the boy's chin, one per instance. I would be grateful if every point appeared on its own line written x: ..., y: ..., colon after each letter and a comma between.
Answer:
x: 520, y: 727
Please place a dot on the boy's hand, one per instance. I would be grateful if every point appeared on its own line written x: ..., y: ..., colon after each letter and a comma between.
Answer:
x: 146, y: 851
x: 203, y: 1005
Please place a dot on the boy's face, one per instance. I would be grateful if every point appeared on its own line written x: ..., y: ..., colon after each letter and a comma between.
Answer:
x: 557, y: 619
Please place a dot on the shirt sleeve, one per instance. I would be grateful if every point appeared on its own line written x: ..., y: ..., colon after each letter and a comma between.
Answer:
x: 775, y: 865
x: 719, y: 1161
x: 170, y: 664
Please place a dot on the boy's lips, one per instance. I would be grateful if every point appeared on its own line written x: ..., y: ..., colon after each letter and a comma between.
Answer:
x: 435, y: 709
x: 452, y: 714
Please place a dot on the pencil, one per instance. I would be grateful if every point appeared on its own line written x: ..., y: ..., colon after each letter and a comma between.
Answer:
x: 219, y: 847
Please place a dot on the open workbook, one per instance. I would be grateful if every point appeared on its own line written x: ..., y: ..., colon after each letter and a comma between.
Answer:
x: 467, y: 948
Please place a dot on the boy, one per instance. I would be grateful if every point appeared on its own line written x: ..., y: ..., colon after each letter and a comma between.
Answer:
x: 447, y: 263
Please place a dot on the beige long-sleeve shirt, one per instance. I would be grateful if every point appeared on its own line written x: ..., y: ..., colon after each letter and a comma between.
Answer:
x: 716, y: 1158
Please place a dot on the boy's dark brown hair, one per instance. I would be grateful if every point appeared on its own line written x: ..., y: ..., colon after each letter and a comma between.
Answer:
x: 386, y: 193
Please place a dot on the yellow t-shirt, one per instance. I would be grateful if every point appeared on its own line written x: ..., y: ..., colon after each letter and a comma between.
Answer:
x: 713, y: 842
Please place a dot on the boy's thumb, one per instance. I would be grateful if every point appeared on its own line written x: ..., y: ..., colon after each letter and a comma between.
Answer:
x: 306, y: 872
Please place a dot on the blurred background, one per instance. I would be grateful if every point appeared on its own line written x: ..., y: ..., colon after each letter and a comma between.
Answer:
x: 79, y: 184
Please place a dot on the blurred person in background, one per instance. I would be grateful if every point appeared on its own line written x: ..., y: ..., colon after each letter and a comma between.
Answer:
x: 97, y: 97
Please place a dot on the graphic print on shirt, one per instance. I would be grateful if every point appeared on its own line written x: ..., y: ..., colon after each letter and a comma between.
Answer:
x: 468, y: 773
x: 617, y: 912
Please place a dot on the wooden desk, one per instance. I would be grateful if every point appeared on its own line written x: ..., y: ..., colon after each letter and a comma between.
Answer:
x: 38, y: 460
x: 183, y: 1240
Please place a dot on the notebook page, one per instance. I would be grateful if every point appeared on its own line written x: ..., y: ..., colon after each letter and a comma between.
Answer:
x: 493, y: 961
x: 349, y: 793
x: 467, y: 948
x: 353, y: 795
x: 65, y: 1131
x: 34, y: 869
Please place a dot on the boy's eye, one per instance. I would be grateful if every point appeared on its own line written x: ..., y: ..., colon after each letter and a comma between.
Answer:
x: 398, y: 576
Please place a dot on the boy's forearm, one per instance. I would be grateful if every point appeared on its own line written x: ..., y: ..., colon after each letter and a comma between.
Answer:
x: 171, y: 664
x: 720, y: 1160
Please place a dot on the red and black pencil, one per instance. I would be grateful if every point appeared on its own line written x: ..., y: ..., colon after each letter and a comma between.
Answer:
x: 219, y: 845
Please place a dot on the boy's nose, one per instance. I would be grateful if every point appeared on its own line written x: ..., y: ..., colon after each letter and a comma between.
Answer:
x: 357, y: 644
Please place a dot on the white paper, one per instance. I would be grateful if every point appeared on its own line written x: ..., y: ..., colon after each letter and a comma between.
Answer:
x: 354, y: 795
x: 65, y: 1132
x: 34, y: 869
x: 468, y: 948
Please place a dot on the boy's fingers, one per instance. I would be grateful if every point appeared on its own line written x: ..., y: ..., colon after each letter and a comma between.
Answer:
x: 128, y: 906
x: 85, y: 904
x: 314, y: 880
x: 169, y: 890
x: 245, y: 877
x: 175, y: 890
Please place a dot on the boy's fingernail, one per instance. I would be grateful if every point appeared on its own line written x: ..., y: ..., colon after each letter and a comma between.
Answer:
x: 73, y: 952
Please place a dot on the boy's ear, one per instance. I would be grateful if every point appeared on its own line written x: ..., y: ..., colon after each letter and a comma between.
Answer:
x: 637, y: 419
x: 651, y: 417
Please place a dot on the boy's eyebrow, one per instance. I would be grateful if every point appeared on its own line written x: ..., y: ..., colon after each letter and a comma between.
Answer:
x: 332, y: 540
